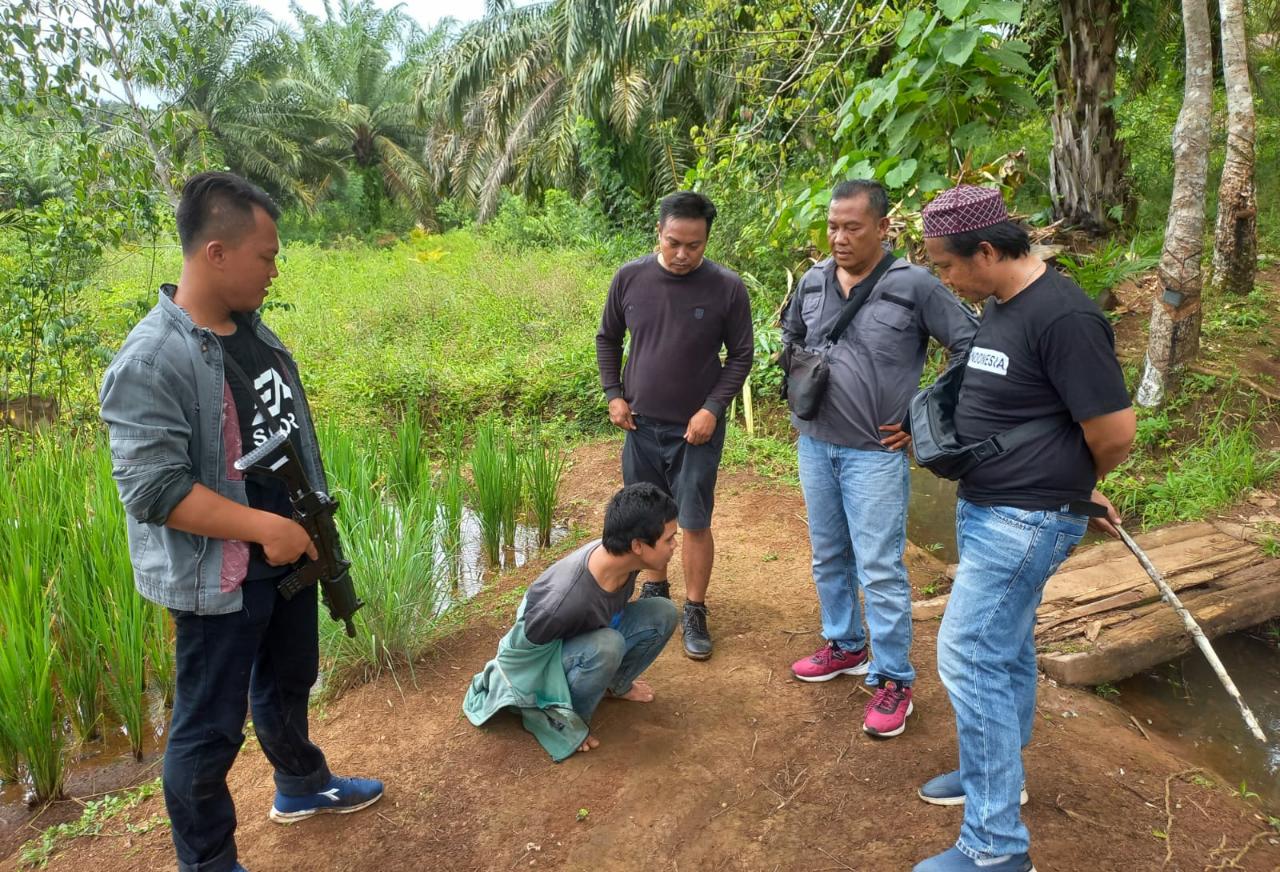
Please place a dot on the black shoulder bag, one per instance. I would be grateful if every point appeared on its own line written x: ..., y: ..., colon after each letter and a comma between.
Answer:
x: 931, y: 421
x: 808, y: 370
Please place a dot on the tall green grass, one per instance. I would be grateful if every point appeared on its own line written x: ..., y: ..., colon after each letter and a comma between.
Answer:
x: 82, y: 648
x: 410, y: 466
x: 1195, y: 479
x: 390, y: 533
x: 30, y: 717
x: 488, y: 482
x: 544, y: 470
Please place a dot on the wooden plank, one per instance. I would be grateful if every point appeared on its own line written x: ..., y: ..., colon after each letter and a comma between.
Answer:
x: 1188, y: 554
x: 1249, y: 597
x: 1112, y: 549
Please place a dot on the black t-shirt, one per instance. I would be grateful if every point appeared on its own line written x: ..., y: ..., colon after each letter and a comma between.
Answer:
x: 1047, y: 351
x: 261, y: 364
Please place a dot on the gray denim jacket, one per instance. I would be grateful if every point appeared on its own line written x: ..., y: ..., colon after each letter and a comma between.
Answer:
x: 876, y: 364
x: 173, y: 424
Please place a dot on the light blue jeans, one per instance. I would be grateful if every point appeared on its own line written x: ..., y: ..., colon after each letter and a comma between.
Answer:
x: 609, y: 659
x: 987, y: 659
x: 857, y: 506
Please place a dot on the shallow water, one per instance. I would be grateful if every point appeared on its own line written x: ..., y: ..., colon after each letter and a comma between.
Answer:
x: 931, y: 514
x: 1184, y: 702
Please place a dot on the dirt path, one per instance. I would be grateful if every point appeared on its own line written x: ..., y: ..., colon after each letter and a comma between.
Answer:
x: 735, y: 766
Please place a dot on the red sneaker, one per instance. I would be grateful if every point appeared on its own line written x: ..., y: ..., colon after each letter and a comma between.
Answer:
x: 829, y: 661
x: 886, y: 714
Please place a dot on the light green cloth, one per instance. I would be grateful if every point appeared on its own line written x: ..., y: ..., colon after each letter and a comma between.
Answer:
x: 529, y: 678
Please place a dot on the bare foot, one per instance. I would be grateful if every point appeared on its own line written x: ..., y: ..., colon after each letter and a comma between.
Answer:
x: 640, y: 692
x: 589, y: 743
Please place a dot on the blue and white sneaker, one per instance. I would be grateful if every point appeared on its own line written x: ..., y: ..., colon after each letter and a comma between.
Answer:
x: 954, y: 860
x: 946, y: 790
x: 339, y: 796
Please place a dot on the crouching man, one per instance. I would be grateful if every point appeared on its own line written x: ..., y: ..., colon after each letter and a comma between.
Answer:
x: 577, y: 636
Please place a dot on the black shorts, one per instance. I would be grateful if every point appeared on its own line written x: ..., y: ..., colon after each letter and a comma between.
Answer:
x: 656, y: 452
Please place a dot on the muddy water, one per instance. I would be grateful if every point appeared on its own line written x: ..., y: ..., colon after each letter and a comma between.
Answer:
x: 1184, y: 702
x: 931, y: 514
x: 473, y: 568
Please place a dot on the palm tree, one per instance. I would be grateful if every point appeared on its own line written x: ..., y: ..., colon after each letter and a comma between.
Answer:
x: 512, y: 98
x: 235, y: 103
x: 355, y: 73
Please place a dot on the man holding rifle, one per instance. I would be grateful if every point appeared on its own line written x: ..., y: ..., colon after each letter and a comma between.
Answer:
x: 199, y: 382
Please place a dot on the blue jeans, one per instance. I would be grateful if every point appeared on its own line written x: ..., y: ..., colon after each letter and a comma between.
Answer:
x: 987, y: 659
x: 857, y: 506
x: 266, y: 656
x: 609, y: 659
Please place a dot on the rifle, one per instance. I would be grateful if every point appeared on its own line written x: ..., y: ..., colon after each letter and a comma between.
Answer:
x: 314, y: 510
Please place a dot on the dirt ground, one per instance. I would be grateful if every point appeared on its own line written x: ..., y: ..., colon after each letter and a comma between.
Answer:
x: 736, y: 766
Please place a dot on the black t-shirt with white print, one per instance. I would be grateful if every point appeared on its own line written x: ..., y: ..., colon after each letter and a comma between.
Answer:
x: 1047, y: 351
x: 264, y: 368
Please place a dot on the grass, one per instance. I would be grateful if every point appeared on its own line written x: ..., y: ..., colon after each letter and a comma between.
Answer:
x: 1107, y: 267
x: 30, y: 719
x: 1187, y: 482
x: 544, y: 470
x: 93, y: 821
x: 488, y: 481
x: 470, y: 331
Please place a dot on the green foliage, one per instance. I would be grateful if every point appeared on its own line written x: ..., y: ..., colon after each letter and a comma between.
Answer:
x: 561, y: 222
x: 1104, y: 269
x: 505, y: 102
x: 495, y: 486
x: 1187, y: 483
x: 392, y: 545
x: 951, y: 79
x: 544, y: 469
x: 442, y: 324
x: 93, y: 821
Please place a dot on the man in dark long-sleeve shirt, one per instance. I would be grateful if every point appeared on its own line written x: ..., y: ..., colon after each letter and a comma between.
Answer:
x: 671, y: 396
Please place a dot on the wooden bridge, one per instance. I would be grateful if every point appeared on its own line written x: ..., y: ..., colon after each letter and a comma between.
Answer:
x: 1102, y: 618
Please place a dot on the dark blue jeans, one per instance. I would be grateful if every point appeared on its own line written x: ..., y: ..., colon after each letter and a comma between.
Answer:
x: 265, y: 655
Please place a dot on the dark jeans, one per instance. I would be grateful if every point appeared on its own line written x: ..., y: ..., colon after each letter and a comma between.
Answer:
x: 265, y: 655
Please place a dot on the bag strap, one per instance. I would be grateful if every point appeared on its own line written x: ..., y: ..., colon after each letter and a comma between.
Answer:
x: 851, y: 308
x: 1016, y: 437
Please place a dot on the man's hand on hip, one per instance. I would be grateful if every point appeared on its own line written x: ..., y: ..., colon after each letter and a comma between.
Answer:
x: 620, y: 414
x: 700, y: 428
x: 896, y: 438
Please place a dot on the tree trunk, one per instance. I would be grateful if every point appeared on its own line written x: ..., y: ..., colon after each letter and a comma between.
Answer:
x: 1087, y: 165
x: 1175, y: 315
x: 1235, y: 241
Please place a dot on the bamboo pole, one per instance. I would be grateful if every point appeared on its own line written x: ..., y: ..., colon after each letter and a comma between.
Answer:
x: 1202, y: 642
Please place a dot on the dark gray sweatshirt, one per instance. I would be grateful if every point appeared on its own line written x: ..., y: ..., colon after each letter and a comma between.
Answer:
x: 678, y: 325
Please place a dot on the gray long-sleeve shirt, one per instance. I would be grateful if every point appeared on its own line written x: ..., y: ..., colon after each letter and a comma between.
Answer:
x: 678, y: 325
x: 876, y: 365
